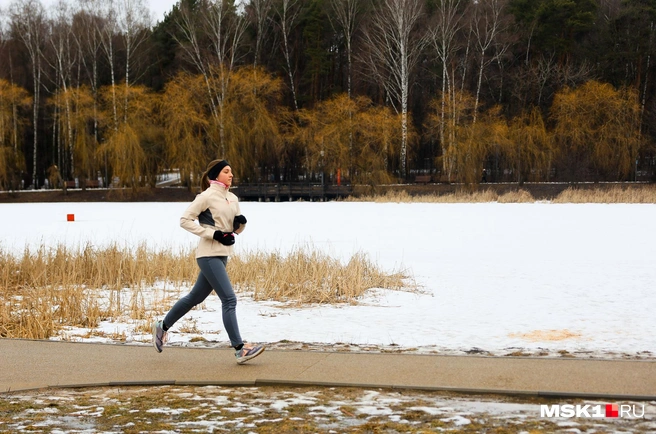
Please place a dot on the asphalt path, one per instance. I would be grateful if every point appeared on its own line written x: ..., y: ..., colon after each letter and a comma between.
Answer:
x: 31, y: 364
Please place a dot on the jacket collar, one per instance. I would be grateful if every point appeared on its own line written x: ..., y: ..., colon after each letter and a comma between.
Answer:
x: 221, y: 189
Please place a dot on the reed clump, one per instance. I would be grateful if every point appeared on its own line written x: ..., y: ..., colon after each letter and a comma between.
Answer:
x: 614, y: 194
x: 465, y: 196
x: 596, y: 194
x: 306, y: 275
x: 45, y: 289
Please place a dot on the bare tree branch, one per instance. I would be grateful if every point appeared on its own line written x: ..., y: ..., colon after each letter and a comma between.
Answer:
x: 394, y: 44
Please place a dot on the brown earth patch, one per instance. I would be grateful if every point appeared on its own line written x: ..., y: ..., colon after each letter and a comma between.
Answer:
x: 546, y: 335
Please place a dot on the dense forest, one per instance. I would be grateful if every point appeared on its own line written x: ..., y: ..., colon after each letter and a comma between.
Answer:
x: 364, y: 91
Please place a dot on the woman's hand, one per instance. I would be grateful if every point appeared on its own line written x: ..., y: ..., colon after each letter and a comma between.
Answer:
x: 237, y: 223
x: 225, y: 238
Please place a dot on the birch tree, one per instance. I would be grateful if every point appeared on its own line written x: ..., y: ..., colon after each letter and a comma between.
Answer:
x: 211, y: 39
x: 61, y: 41
x: 133, y: 19
x: 87, y: 24
x: 28, y: 21
x: 3, y: 37
x: 108, y: 30
x: 443, y: 37
x: 394, y: 43
x: 347, y: 14
x: 287, y: 11
x: 261, y: 12
x: 77, y: 104
x: 487, y: 25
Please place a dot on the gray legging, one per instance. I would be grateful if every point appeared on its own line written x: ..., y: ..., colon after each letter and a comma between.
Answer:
x: 212, y: 275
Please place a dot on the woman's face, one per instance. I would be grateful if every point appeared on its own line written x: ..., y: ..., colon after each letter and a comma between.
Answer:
x: 225, y: 176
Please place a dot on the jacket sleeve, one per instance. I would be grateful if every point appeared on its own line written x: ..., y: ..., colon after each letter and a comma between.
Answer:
x: 243, y: 226
x: 187, y: 221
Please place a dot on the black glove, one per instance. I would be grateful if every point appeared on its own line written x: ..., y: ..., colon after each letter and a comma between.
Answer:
x: 238, y: 221
x: 225, y: 238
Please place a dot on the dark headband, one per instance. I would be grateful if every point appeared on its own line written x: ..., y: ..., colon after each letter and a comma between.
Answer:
x: 216, y: 169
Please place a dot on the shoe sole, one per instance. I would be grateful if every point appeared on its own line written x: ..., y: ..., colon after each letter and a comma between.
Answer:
x: 243, y: 360
x: 154, y: 328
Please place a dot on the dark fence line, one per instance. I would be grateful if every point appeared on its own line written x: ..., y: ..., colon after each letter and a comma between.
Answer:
x: 276, y: 192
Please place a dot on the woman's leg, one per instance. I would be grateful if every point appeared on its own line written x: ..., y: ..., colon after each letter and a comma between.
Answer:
x: 214, y: 270
x: 198, y: 294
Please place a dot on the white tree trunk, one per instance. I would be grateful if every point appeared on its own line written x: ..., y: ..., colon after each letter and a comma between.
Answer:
x: 346, y: 13
x: 394, y: 47
x: 443, y: 37
x: 28, y: 16
x: 225, y: 29
x: 288, y: 16
x: 487, y: 26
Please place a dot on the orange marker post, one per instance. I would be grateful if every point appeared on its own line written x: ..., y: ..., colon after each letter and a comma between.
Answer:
x: 70, y: 217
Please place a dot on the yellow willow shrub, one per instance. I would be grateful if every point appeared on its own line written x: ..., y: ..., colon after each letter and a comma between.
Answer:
x: 126, y: 156
x: 350, y: 134
x: 185, y: 122
x: 12, y: 162
x: 377, y: 141
x: 530, y: 148
x: 599, y: 124
x: 12, y: 99
x: 477, y: 139
x: 252, y: 117
x: 124, y: 141
x: 471, y: 142
x: 450, y: 121
x: 327, y: 131
x: 75, y: 108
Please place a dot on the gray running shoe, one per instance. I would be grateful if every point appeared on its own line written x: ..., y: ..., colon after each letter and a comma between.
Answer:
x: 245, y: 354
x: 159, y: 336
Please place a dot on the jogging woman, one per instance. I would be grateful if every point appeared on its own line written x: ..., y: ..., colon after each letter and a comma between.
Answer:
x: 219, y: 219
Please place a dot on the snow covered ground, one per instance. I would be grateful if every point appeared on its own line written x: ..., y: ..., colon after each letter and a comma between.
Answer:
x: 173, y: 409
x: 535, y: 278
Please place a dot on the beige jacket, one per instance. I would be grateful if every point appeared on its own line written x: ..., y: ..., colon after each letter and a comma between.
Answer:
x: 215, y: 209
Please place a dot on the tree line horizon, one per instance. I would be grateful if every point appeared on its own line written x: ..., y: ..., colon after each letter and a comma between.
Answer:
x: 298, y: 90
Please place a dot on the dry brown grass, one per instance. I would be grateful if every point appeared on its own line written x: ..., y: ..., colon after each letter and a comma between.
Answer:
x: 614, y: 194
x: 596, y: 194
x: 45, y: 289
x: 401, y: 196
x: 306, y: 275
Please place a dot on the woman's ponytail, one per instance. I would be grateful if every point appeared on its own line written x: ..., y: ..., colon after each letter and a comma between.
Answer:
x: 205, y: 179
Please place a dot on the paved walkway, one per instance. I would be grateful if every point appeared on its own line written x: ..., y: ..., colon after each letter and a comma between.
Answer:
x: 27, y: 364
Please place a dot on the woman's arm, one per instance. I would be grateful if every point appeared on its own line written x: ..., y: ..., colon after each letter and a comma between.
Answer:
x: 187, y: 221
x: 239, y: 222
